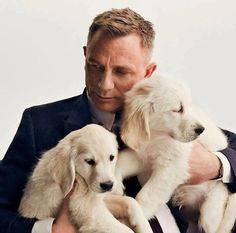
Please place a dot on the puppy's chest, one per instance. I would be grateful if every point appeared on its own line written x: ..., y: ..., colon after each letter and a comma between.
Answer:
x: 164, y: 153
x: 164, y: 148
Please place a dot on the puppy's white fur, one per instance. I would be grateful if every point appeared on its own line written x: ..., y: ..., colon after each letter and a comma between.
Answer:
x: 70, y: 164
x: 159, y: 125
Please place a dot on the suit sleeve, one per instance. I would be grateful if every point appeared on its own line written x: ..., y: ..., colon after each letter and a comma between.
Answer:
x: 230, y: 153
x: 14, y: 170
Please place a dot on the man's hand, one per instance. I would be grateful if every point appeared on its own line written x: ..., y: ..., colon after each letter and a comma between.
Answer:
x: 63, y: 224
x: 203, y: 165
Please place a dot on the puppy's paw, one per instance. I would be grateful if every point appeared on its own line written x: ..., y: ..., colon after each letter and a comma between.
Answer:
x: 137, y: 219
x: 148, y: 207
x: 184, y: 195
x: 179, y: 196
x: 188, y: 195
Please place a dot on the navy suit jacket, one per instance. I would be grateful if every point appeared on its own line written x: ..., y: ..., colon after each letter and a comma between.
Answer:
x: 40, y: 129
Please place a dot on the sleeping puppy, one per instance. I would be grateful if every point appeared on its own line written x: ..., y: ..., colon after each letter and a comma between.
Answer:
x: 85, y: 159
x: 159, y: 124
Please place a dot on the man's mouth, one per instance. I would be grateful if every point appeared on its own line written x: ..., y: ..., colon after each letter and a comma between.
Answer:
x: 103, y: 98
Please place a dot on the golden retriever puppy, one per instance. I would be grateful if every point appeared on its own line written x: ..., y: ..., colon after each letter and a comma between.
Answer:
x: 159, y: 124
x: 85, y: 159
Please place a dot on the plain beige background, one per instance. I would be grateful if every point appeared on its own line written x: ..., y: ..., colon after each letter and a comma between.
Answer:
x: 41, y: 58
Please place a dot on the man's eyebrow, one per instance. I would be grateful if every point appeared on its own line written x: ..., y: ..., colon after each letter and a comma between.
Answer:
x: 124, y: 67
x: 92, y: 60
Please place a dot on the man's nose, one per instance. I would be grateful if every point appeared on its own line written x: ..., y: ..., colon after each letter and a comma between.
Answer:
x: 106, y: 82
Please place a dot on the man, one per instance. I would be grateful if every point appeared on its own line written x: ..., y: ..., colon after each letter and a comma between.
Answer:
x: 117, y: 56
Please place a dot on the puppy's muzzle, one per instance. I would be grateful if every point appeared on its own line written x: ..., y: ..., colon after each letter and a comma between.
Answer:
x: 106, y: 186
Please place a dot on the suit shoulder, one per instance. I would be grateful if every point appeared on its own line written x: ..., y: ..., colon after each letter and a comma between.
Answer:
x: 56, y: 106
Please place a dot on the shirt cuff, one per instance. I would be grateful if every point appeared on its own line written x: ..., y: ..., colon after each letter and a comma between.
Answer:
x: 227, y: 173
x: 43, y: 226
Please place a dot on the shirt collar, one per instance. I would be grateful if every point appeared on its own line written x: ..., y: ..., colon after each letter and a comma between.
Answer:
x: 106, y: 119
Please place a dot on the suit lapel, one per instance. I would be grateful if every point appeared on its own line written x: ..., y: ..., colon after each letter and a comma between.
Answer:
x: 79, y: 116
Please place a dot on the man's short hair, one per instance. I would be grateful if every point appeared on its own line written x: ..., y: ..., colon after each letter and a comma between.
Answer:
x: 122, y: 22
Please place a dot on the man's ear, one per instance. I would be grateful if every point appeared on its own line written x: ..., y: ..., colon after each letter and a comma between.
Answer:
x: 85, y: 50
x: 150, y: 69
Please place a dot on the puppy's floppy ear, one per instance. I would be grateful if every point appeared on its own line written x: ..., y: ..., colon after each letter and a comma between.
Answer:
x: 135, y: 123
x: 61, y: 167
x: 135, y: 129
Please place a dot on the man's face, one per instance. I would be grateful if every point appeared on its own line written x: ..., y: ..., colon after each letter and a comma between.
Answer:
x: 113, y: 66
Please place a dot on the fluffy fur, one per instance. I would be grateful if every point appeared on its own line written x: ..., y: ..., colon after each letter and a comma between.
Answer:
x: 159, y: 124
x: 85, y: 159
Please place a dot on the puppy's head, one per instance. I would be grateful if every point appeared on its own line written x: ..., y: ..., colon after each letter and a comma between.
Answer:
x: 158, y: 106
x: 90, y: 154
x: 94, y: 154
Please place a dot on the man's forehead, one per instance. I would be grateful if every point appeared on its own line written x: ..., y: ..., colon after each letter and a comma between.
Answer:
x: 116, y: 56
x: 102, y: 38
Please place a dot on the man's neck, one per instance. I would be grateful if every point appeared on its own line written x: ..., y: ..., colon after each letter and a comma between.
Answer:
x: 106, y: 119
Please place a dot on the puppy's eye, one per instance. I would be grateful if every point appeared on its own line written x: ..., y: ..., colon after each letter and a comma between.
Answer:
x: 180, y: 110
x: 112, y: 157
x: 90, y: 161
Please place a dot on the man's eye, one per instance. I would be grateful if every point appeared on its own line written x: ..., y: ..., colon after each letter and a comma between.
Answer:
x: 97, y: 67
x: 112, y: 157
x: 121, y: 72
x: 90, y: 161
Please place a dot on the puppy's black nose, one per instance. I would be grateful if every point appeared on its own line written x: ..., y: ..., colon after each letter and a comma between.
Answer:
x: 106, y: 186
x: 199, y: 130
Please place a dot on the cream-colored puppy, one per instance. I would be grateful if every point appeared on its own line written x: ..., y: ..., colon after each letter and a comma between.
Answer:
x: 159, y: 124
x: 85, y: 159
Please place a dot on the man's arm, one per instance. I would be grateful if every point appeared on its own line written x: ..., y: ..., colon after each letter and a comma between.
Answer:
x: 205, y: 165
x: 230, y: 153
x: 15, y: 169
